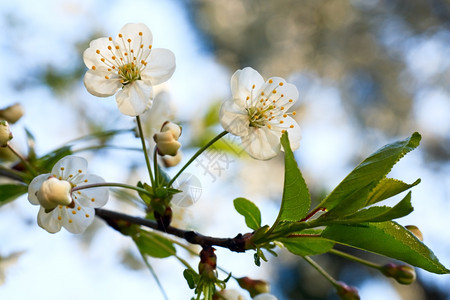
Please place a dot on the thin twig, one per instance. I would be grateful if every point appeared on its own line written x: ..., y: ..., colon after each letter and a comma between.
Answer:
x: 236, y: 244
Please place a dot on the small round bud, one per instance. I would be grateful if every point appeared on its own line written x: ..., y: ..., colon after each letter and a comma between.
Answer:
x: 254, y: 287
x: 403, y: 274
x: 173, y: 128
x: 54, y: 192
x: 166, y: 144
x: 167, y: 139
x: 346, y: 292
x: 416, y: 231
x: 5, y: 134
x: 12, y: 113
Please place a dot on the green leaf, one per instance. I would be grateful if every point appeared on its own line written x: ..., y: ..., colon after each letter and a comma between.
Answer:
x: 389, y: 239
x: 154, y: 245
x: 9, y: 192
x: 191, y: 277
x: 307, y: 243
x: 366, y: 176
x: 387, y: 188
x: 382, y: 213
x: 250, y: 212
x: 296, y: 200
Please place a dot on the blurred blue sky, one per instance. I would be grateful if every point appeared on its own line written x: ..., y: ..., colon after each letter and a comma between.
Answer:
x: 46, y: 33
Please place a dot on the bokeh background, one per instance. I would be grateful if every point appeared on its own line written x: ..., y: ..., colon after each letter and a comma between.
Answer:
x: 368, y: 73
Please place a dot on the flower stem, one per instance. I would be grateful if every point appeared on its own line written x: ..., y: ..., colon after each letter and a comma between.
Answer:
x: 144, y: 147
x: 200, y: 151
x: 111, y: 184
x: 27, y: 165
x: 155, y: 165
x: 321, y: 271
x: 356, y: 259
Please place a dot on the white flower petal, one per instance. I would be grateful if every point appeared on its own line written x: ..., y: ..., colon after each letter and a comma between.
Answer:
x: 49, y: 221
x: 135, y: 98
x: 242, y: 83
x: 91, y: 197
x: 160, y: 66
x: 97, y: 84
x: 234, y: 119
x: 90, y: 56
x: 34, y: 186
x: 154, y: 118
x: 294, y: 134
x: 70, y: 165
x: 131, y: 31
x: 262, y: 143
x: 77, y: 219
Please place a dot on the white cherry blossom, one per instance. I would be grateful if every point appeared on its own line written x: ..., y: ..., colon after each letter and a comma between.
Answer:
x: 258, y: 113
x: 129, y: 66
x: 60, y: 206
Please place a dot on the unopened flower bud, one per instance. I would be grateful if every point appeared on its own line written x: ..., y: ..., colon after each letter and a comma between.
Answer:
x: 54, y: 192
x: 167, y: 139
x: 5, y: 134
x: 172, y: 161
x: 254, y: 287
x: 403, y: 274
x: 208, y: 263
x: 416, y: 231
x: 12, y: 113
x: 346, y: 292
x: 173, y: 128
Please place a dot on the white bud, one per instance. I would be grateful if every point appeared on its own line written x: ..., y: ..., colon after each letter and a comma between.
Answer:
x: 54, y: 192
x: 12, y: 113
x: 172, y: 128
x: 172, y: 161
x: 167, y: 139
x: 5, y: 134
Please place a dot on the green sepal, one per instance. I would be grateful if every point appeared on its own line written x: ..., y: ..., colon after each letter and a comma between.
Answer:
x: 191, y: 277
x: 250, y: 211
x: 145, y: 197
x: 389, y: 239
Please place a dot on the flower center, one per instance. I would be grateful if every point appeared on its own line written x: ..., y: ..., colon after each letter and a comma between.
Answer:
x: 123, y: 58
x: 129, y: 73
x: 258, y: 116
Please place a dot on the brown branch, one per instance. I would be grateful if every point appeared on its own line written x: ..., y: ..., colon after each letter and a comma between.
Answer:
x: 236, y: 244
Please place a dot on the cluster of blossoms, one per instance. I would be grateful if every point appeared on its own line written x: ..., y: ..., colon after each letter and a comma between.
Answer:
x: 128, y: 66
